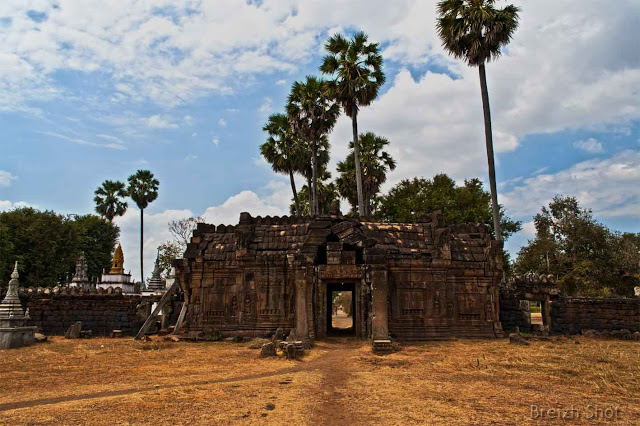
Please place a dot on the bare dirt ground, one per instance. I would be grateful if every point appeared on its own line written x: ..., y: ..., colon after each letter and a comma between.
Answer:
x: 341, y: 320
x: 118, y: 381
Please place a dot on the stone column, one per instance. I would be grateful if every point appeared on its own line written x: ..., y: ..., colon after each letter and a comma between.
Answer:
x: 379, y: 320
x: 302, y: 322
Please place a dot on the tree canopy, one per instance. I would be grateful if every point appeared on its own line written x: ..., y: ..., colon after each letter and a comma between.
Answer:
x: 586, y: 257
x: 409, y: 199
x: 47, y: 245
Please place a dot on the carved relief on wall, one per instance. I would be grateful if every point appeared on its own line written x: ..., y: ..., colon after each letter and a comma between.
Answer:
x: 233, y: 306
x: 411, y: 301
x: 247, y: 304
x: 469, y: 306
x: 450, y: 308
x: 489, y: 309
x: 436, y: 303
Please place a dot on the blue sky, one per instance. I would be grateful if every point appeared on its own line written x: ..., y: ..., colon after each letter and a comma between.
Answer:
x: 96, y: 90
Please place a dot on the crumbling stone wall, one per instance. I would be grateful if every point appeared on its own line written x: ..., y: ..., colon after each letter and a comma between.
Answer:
x: 563, y: 314
x: 572, y: 315
x: 55, y: 310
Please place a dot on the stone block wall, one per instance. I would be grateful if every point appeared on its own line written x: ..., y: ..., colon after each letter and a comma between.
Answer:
x: 54, y: 310
x: 514, y: 313
x: 572, y: 315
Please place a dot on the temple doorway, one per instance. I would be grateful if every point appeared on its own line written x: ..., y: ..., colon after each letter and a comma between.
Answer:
x: 341, y: 309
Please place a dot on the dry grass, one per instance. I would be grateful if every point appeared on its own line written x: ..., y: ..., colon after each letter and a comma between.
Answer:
x: 460, y: 382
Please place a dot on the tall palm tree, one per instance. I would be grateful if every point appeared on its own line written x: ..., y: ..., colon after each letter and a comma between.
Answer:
x: 312, y: 114
x: 143, y: 189
x: 283, y: 150
x: 375, y: 163
x: 109, y: 199
x: 356, y: 67
x: 304, y: 167
x: 476, y: 31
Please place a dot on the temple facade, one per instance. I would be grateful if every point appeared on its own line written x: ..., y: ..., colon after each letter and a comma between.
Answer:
x: 117, y: 278
x: 409, y: 281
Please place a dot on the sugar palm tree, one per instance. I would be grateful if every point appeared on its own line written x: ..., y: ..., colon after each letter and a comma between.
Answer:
x: 475, y: 31
x: 304, y: 167
x: 143, y: 189
x: 283, y: 150
x: 312, y: 114
x: 375, y: 163
x: 356, y: 67
x: 109, y: 199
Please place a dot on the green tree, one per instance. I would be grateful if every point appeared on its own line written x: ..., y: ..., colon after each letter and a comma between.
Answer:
x: 356, y: 68
x: 375, y: 164
x: 327, y: 195
x: 143, y: 189
x: 312, y: 115
x: 586, y: 257
x: 47, y: 245
x: 97, y: 239
x: 109, y: 199
x: 167, y: 253
x: 469, y: 203
x: 475, y: 31
x: 283, y: 150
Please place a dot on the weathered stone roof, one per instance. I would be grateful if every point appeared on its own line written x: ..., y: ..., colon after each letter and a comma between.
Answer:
x: 289, y: 235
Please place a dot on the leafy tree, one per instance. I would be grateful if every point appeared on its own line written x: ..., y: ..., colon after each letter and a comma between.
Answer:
x: 47, y: 245
x: 167, y: 252
x: 356, y: 67
x: 182, y: 229
x: 109, y: 199
x: 375, y: 164
x: 143, y: 189
x: 97, y: 239
x: 312, y: 115
x: 475, y: 31
x: 410, y: 199
x: 283, y: 150
x: 585, y: 256
x: 327, y: 195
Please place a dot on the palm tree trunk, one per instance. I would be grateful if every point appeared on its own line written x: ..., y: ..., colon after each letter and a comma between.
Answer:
x: 141, y: 248
x: 295, y: 193
x: 356, y: 154
x: 314, y: 172
x: 489, y: 141
x: 310, y: 195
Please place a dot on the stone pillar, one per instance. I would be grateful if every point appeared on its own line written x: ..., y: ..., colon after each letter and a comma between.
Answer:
x: 302, y: 322
x: 379, y: 320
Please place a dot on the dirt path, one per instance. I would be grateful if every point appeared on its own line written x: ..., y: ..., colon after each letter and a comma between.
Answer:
x: 336, y: 367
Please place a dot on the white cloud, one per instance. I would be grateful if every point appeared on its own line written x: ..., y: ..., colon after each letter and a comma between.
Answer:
x: 281, y: 82
x: 609, y: 186
x: 215, y: 140
x: 157, y: 122
x: 6, y: 205
x: 222, y: 123
x: 6, y: 178
x: 191, y: 157
x: 194, y: 134
x: 590, y: 145
x: 266, y: 105
x: 275, y: 202
x: 156, y: 232
x: 188, y: 120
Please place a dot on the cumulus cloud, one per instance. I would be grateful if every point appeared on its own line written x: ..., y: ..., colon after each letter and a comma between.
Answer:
x: 215, y: 140
x: 6, y: 178
x: 156, y: 232
x: 222, y: 122
x: 590, y: 145
x: 274, y: 202
x: 609, y: 186
x: 6, y: 205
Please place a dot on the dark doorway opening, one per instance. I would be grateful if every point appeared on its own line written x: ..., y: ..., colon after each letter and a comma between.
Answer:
x: 341, y: 303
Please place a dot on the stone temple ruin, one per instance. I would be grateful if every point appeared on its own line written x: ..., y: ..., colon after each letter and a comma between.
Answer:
x: 425, y: 280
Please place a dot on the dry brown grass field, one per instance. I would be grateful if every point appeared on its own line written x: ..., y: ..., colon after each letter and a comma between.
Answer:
x: 119, y: 381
